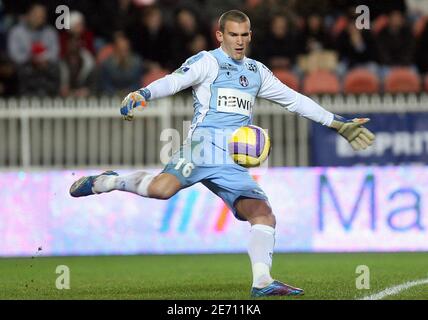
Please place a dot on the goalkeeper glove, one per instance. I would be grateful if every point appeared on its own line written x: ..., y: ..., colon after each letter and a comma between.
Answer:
x: 353, y: 130
x: 133, y: 100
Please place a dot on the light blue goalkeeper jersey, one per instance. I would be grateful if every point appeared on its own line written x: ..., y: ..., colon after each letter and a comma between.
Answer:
x: 232, y: 93
x: 225, y: 91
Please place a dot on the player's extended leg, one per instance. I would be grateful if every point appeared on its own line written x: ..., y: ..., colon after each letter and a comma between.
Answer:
x: 161, y: 186
x: 262, y: 240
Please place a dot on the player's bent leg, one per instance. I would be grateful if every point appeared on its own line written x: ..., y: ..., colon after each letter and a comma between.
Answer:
x: 260, y: 249
x: 255, y: 211
x: 162, y: 186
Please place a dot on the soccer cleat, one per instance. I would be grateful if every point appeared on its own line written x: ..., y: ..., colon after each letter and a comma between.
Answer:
x: 276, y: 288
x: 83, y: 186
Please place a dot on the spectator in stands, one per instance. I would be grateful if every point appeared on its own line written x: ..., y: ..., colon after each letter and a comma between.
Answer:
x: 122, y: 71
x: 314, y: 36
x: 152, y: 39
x: 101, y: 23
x: 395, y: 42
x: 77, y: 70
x: 356, y: 47
x: 33, y: 29
x: 78, y: 33
x: 104, y: 18
x: 315, y: 48
x: 126, y: 16
x: 40, y: 76
x: 186, y: 28
x: 279, y: 49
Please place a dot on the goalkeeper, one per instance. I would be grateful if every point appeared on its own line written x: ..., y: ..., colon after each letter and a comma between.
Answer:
x: 225, y: 84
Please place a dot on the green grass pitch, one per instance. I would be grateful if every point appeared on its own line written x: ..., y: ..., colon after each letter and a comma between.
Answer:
x: 322, y: 276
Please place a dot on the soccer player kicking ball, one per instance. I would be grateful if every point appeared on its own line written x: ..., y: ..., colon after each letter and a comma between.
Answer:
x: 225, y: 84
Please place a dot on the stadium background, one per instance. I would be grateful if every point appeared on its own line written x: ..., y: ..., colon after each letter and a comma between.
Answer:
x: 59, y: 120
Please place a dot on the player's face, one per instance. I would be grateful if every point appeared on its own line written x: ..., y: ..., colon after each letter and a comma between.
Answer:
x: 235, y: 38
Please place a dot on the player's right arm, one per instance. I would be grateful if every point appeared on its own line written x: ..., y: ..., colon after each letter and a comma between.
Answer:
x: 192, y: 72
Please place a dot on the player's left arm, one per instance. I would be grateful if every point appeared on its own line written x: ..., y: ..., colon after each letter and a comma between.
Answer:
x: 352, y: 130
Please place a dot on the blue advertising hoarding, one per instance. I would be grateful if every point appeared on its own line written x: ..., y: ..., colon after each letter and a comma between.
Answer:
x: 401, y: 138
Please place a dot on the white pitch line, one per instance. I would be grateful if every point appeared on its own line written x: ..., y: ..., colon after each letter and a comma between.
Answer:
x: 395, y: 290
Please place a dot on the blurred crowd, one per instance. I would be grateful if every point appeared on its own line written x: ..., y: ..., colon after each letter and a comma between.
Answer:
x: 116, y: 46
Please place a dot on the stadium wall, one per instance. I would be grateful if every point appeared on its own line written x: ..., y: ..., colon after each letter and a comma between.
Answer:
x: 317, y: 209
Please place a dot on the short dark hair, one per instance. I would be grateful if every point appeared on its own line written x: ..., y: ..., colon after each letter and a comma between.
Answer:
x: 232, y: 15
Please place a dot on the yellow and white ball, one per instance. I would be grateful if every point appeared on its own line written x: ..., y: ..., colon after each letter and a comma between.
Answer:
x: 249, y: 146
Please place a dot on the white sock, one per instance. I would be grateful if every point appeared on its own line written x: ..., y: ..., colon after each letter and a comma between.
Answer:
x: 137, y: 182
x: 260, y: 250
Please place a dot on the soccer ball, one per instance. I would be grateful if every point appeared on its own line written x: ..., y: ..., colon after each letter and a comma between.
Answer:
x: 249, y: 146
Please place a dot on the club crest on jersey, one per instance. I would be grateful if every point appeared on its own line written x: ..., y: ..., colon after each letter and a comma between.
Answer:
x: 243, y: 81
x: 251, y: 66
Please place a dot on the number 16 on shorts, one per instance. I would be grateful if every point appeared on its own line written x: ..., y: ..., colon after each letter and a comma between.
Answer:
x: 186, y: 168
